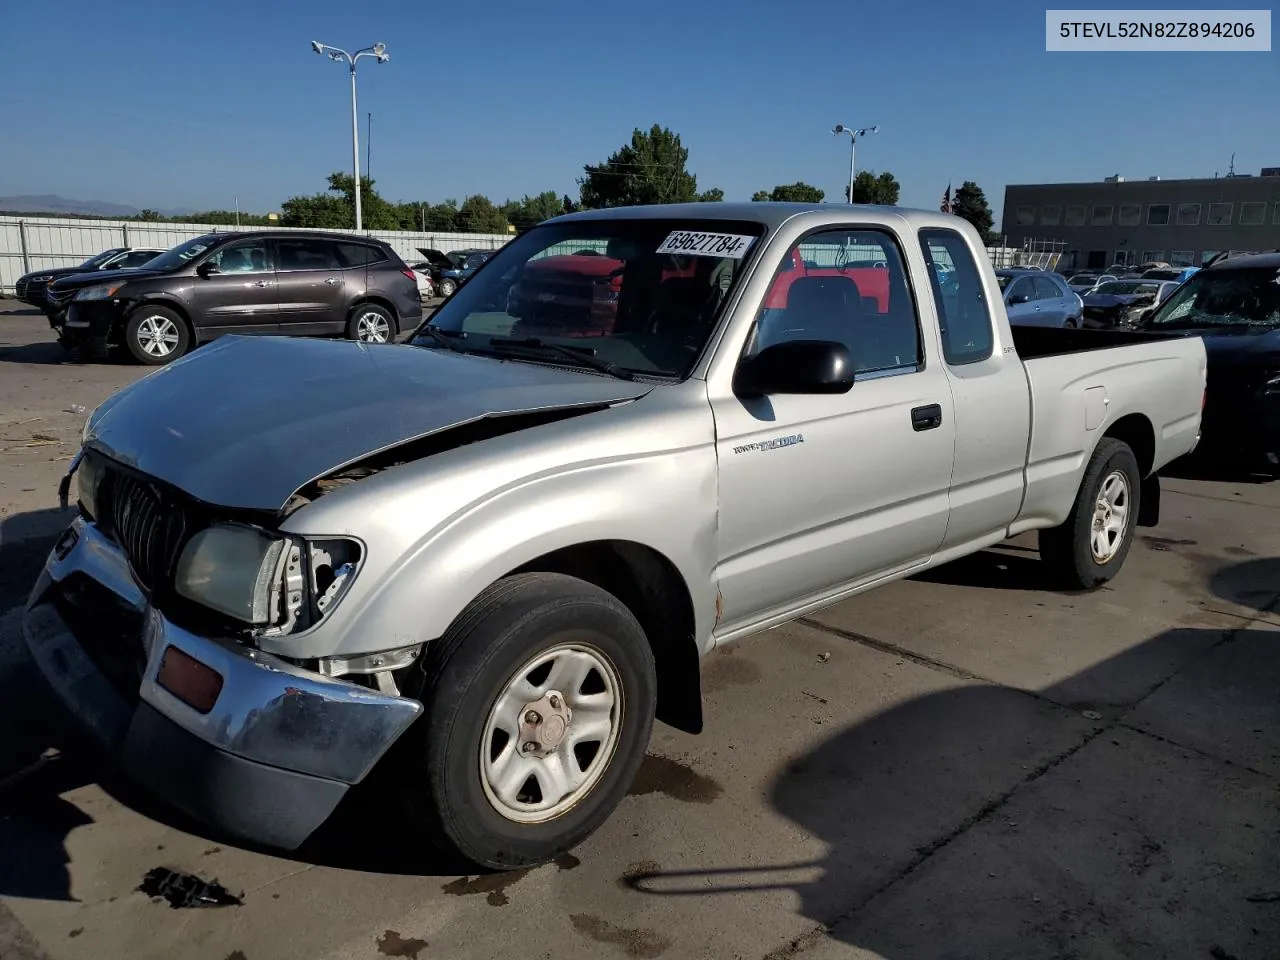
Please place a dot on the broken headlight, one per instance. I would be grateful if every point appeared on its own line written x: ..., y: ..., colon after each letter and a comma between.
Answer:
x: 277, y: 583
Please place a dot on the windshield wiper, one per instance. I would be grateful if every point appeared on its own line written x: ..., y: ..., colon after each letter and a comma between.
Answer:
x: 585, y: 356
x: 448, y: 338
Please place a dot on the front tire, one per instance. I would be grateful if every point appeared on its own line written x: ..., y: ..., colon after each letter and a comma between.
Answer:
x: 447, y: 287
x: 156, y: 335
x: 539, y: 706
x: 1089, y: 547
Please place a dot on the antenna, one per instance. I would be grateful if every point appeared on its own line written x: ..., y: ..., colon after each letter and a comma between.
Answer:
x: 1231, y: 171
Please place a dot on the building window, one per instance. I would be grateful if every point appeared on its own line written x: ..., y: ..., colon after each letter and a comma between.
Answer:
x: 1275, y: 214
x: 1123, y: 257
x: 1207, y: 255
x: 1130, y: 214
x: 1153, y: 256
x: 1183, y: 258
x: 1253, y: 214
x: 1102, y: 215
x: 1157, y: 214
x: 1188, y: 214
x: 1219, y: 215
x: 1050, y: 216
x: 1026, y: 216
x: 1076, y: 215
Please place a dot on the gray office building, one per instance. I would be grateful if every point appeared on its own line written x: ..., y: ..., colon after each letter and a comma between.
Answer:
x: 1118, y: 220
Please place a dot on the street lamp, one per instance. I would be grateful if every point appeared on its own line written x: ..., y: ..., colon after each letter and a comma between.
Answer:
x: 379, y: 52
x: 840, y: 128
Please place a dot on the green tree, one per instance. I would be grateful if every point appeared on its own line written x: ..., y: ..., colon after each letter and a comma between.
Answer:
x: 478, y: 214
x: 714, y: 195
x: 529, y: 210
x: 569, y: 205
x: 870, y: 188
x: 970, y: 203
x: 335, y: 209
x: 649, y: 169
x: 148, y: 215
x: 798, y: 192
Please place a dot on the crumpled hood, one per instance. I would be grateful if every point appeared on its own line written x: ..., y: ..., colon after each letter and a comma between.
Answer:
x: 245, y: 422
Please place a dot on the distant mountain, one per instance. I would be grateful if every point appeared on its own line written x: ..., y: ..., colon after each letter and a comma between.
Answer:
x: 52, y: 203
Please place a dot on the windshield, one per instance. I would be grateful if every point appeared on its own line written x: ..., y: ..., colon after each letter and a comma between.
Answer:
x: 94, y: 262
x: 640, y: 295
x: 1122, y: 288
x: 1083, y: 278
x: 1248, y: 297
x: 1004, y: 280
x: 184, y: 252
x: 1162, y: 275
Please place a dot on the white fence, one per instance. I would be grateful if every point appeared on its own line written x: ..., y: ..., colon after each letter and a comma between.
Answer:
x: 30, y: 243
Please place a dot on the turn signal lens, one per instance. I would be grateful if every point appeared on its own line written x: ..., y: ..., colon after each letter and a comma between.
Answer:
x: 189, y: 680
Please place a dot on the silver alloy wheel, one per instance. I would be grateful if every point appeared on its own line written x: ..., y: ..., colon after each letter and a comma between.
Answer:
x: 551, y: 733
x: 1110, y: 517
x: 373, y: 327
x: 157, y: 336
x: 447, y: 287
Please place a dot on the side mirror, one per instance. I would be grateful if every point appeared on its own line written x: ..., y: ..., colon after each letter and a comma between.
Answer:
x: 796, y: 366
x: 207, y: 269
x: 1018, y: 298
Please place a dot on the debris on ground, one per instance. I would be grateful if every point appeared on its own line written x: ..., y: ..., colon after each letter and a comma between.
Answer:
x: 186, y: 890
x: 814, y: 696
x: 75, y: 408
x: 1272, y: 896
x: 1091, y: 715
x: 824, y: 657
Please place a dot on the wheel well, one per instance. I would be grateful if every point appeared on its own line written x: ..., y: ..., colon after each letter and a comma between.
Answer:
x: 382, y: 302
x: 655, y: 593
x: 168, y: 305
x: 1137, y: 432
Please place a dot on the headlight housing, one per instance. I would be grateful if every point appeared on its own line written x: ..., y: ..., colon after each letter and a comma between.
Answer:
x: 43, y: 278
x: 277, y: 583
x: 1272, y: 384
x: 101, y: 291
x: 88, y: 482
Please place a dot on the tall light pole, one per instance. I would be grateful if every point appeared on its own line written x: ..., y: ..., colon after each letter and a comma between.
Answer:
x: 840, y: 128
x: 379, y: 52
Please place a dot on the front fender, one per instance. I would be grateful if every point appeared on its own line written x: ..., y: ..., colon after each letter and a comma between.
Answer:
x: 665, y: 501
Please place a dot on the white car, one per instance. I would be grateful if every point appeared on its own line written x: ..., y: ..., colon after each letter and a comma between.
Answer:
x: 422, y: 274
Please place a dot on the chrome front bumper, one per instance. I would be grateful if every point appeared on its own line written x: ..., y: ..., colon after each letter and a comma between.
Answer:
x: 274, y: 725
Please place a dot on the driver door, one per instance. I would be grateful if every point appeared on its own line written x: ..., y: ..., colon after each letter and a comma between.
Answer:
x: 820, y: 492
x: 241, y: 296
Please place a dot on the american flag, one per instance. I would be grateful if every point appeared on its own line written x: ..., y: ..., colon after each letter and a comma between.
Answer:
x: 946, y: 200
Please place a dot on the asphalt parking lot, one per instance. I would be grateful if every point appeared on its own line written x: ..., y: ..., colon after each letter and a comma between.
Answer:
x: 965, y: 764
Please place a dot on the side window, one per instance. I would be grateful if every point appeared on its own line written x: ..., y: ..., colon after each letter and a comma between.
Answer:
x: 359, y: 254
x: 963, y: 313
x: 137, y: 258
x: 305, y: 254
x: 1022, y: 288
x: 1046, y: 289
x: 848, y: 286
x: 247, y: 257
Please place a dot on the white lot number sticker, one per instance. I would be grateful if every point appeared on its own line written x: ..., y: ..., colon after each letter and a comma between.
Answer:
x: 698, y: 244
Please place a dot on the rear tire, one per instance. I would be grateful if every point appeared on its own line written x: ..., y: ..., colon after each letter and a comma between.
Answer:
x: 477, y: 778
x: 1089, y: 547
x: 156, y: 335
x: 447, y: 287
x: 370, y: 323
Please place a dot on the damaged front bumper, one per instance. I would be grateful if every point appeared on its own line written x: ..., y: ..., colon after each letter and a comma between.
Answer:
x: 273, y: 754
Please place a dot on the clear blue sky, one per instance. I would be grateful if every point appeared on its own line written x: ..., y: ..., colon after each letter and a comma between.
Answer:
x: 198, y: 103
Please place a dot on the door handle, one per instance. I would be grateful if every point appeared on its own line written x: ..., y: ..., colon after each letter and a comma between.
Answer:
x: 927, y: 417
x: 333, y: 280
x: 262, y: 283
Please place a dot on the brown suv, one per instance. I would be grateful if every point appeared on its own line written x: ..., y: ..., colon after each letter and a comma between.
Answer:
x: 260, y: 282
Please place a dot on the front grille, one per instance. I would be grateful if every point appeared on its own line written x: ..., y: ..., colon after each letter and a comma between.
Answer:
x: 59, y: 296
x: 148, y: 529
x: 20, y: 289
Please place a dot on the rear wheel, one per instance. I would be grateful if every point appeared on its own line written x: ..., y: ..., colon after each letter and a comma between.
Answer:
x: 539, y: 705
x: 1089, y: 547
x: 447, y: 287
x: 156, y: 335
x: 370, y: 323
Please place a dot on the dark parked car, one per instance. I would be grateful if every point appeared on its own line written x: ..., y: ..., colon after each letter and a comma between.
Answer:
x: 1234, y: 305
x: 448, y: 271
x: 259, y: 282
x: 1121, y: 303
x: 33, y: 287
x: 1039, y: 298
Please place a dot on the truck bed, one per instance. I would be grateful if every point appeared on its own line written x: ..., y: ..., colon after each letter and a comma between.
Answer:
x: 1032, y: 342
x: 1145, y: 388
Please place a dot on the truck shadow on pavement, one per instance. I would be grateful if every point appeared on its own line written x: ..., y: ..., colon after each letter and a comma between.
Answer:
x: 993, y: 822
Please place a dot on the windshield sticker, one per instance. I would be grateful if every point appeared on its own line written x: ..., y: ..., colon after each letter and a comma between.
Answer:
x: 698, y: 244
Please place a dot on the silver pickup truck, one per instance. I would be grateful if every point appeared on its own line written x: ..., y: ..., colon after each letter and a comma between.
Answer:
x: 483, y: 562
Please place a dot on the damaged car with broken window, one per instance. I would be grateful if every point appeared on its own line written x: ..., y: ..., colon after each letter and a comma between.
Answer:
x: 485, y: 561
